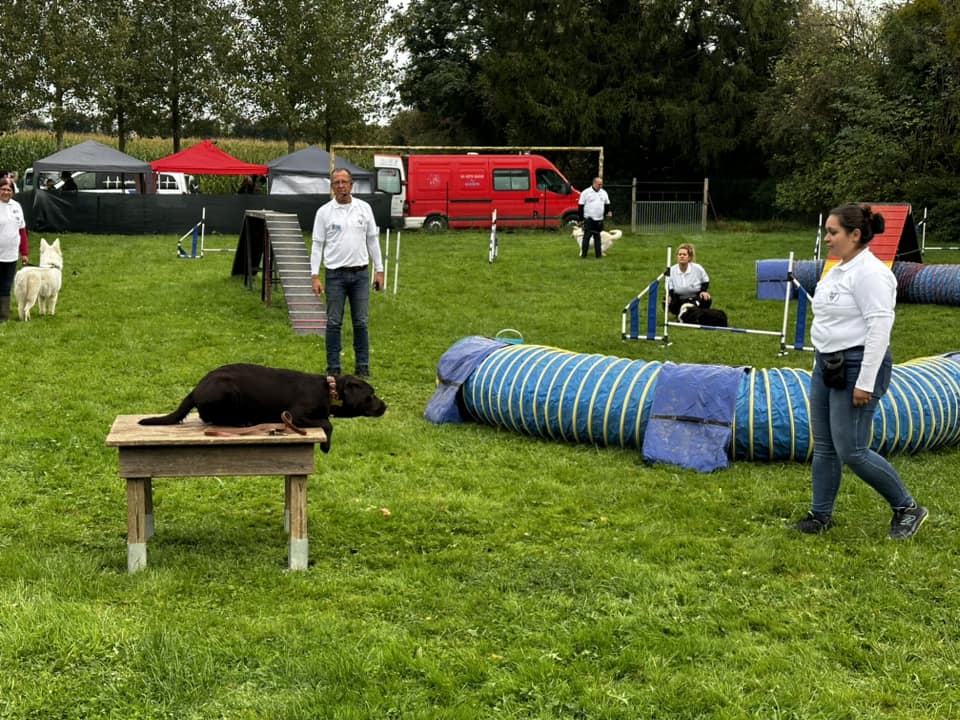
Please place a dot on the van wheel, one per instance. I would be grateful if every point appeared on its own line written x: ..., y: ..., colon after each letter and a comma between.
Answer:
x: 569, y: 222
x: 435, y: 223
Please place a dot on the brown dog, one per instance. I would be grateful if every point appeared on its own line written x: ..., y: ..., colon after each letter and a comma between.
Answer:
x: 242, y: 395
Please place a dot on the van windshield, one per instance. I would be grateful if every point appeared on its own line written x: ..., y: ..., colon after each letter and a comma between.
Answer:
x: 388, y: 180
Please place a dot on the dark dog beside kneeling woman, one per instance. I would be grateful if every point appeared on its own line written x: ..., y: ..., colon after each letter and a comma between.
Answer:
x: 691, y: 313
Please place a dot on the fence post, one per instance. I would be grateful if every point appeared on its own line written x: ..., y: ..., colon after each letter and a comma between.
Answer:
x: 706, y: 201
x: 633, y: 207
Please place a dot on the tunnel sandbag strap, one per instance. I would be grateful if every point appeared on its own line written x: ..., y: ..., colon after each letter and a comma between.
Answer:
x: 692, y: 415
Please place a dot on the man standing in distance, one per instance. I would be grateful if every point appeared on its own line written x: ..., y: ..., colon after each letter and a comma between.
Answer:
x: 594, y: 206
x: 346, y: 240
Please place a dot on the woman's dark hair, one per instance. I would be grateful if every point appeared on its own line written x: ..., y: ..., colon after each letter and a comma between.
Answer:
x: 854, y: 216
x: 6, y: 181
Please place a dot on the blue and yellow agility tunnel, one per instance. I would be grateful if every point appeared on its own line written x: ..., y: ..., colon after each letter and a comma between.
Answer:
x: 916, y: 282
x: 692, y: 415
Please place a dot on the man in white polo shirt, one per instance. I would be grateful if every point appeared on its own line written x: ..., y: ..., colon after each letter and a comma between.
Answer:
x: 346, y: 240
x: 594, y: 206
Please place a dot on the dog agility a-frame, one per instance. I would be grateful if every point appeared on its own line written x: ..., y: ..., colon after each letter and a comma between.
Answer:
x: 630, y: 316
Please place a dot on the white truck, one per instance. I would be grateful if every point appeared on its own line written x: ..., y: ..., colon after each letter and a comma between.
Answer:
x: 167, y: 183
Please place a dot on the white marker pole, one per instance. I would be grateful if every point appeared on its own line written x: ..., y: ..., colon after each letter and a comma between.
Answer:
x: 396, y: 265
x: 386, y: 262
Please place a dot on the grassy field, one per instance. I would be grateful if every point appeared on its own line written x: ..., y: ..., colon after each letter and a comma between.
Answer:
x: 513, y: 577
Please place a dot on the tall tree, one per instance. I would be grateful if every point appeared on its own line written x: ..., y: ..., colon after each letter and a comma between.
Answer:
x: 670, y: 86
x: 16, y: 48
x: 922, y: 71
x: 118, y: 82
x: 58, y: 57
x: 446, y: 42
x: 922, y: 79
x: 192, y: 61
x: 828, y: 127
x: 317, y: 68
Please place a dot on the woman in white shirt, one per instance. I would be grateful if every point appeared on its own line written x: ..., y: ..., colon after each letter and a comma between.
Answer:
x: 13, y: 243
x: 853, y: 309
x: 687, y: 281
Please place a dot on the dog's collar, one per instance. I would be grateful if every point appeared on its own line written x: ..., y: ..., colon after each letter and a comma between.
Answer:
x: 334, y: 395
x: 50, y: 266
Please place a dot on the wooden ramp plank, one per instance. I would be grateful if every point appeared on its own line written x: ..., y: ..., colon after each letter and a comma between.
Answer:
x: 308, y: 315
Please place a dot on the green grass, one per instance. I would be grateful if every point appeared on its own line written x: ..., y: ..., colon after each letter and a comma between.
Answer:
x: 514, y: 577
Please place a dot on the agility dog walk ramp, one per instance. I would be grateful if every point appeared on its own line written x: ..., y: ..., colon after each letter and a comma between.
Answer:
x: 290, y: 260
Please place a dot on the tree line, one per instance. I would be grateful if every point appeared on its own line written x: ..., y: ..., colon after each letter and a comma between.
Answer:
x: 789, y: 106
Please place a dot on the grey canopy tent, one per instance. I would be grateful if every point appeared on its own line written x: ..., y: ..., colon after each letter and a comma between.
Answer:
x: 307, y: 171
x: 96, y: 157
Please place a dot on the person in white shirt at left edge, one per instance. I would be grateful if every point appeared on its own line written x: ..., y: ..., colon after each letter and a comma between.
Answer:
x: 13, y: 243
x: 346, y: 241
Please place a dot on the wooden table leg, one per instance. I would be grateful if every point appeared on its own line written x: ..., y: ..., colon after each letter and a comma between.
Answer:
x: 138, y: 489
x: 299, y: 554
x: 148, y: 508
x: 286, y: 504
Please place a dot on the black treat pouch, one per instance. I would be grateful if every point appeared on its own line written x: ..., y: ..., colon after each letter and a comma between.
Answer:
x: 835, y: 371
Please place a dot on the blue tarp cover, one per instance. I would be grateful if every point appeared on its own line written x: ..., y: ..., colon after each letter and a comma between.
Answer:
x: 692, y: 415
x: 453, y: 368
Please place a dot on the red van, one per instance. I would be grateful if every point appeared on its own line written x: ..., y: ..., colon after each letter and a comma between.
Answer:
x: 435, y: 192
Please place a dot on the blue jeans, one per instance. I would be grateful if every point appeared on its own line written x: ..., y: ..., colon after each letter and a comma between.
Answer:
x: 340, y: 286
x: 842, y: 434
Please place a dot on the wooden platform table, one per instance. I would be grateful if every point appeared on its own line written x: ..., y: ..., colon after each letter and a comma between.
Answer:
x: 186, y: 450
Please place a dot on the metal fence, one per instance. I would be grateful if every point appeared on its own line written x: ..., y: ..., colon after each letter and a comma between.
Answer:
x: 660, y: 208
x: 657, y: 217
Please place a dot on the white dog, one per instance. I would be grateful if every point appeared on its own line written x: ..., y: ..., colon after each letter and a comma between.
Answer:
x: 40, y: 285
x: 607, y: 238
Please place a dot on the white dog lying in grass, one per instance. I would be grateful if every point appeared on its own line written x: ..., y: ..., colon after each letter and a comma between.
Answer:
x: 40, y: 285
x: 607, y: 238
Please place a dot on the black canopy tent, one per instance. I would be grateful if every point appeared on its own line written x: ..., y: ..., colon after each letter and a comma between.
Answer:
x: 307, y: 171
x: 96, y: 157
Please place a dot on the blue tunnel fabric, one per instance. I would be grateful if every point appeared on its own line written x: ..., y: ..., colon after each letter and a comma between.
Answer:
x: 454, y: 367
x: 550, y: 393
x: 936, y: 284
x: 691, y: 418
x: 916, y: 282
x: 603, y: 400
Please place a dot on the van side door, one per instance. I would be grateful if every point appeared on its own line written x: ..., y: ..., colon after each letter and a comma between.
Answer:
x: 515, y: 197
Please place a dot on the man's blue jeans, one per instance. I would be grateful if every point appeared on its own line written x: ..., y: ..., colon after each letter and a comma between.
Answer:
x: 842, y: 435
x: 340, y: 286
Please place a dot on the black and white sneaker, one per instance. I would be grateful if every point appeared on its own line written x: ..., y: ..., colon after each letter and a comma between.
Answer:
x: 813, y: 525
x: 906, y: 522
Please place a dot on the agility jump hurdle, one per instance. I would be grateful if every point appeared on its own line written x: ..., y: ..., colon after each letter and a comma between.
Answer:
x: 923, y: 237
x: 630, y: 316
x: 197, y: 233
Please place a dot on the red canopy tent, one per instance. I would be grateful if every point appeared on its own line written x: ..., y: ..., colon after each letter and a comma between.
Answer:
x: 205, y: 158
